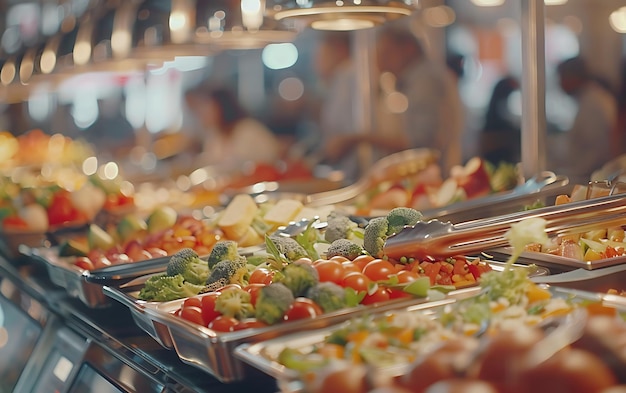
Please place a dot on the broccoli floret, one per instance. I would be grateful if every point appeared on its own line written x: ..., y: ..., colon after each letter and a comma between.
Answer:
x: 344, y: 248
x: 235, y: 302
x: 375, y: 236
x: 226, y: 272
x: 272, y: 302
x: 223, y: 250
x: 339, y: 227
x: 163, y: 288
x: 399, y: 217
x: 187, y: 263
x: 291, y: 249
x: 328, y: 295
x: 298, y: 277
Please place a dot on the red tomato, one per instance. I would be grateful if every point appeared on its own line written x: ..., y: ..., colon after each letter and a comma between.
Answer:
x: 330, y: 271
x: 398, y: 294
x: 14, y: 222
x: 192, y: 301
x: 261, y: 275
x: 349, y: 267
x: 302, y: 308
x: 405, y: 276
x: 357, y: 281
x: 339, y: 258
x: 253, y: 289
x: 61, y: 209
x: 101, y: 261
x: 250, y: 323
x: 362, y: 260
x: 223, y: 324
x: 208, y: 307
x: 381, y: 295
x: 192, y: 314
x: 378, y: 269
x: 304, y: 260
x: 84, y: 263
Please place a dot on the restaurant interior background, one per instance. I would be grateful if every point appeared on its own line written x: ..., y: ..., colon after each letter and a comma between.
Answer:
x: 277, y: 82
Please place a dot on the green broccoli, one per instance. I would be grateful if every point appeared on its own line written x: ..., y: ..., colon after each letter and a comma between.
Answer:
x: 226, y: 272
x: 328, y: 295
x: 235, y: 302
x: 163, y: 288
x: 298, y: 277
x: 223, y: 250
x: 375, y: 236
x: 399, y: 217
x: 187, y: 263
x: 344, y: 248
x: 339, y: 226
x: 289, y: 247
x: 272, y: 302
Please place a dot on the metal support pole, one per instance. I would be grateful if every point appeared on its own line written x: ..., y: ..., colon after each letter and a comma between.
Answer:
x: 533, y: 88
x: 363, y: 42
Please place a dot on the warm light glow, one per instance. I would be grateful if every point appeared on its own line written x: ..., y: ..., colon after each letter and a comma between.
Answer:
x: 397, y: 102
x: 554, y: 2
x: 27, y: 67
x: 120, y: 43
x: 488, y: 3
x: 110, y: 170
x: 48, y: 61
x: 346, y: 9
x: 291, y: 89
x: 8, y: 72
x: 90, y: 166
x: 440, y: 16
x: 342, y: 24
x: 617, y: 20
x: 252, y: 13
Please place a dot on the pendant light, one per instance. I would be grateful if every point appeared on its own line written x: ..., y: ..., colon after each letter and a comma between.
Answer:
x: 340, y: 14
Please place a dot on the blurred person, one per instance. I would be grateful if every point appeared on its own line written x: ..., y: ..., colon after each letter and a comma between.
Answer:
x: 588, y: 139
x: 337, y: 113
x: 500, y: 139
x: 231, y: 137
x: 433, y: 117
x: 111, y: 133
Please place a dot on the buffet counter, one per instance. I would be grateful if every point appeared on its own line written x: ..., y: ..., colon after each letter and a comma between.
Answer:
x: 57, y: 344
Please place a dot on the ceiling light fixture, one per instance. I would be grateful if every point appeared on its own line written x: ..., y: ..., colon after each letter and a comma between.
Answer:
x: 340, y: 15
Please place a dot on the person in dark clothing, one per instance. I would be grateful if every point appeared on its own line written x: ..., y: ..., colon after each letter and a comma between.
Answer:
x: 500, y: 137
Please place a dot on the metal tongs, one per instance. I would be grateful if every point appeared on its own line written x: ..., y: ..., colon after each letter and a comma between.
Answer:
x: 435, y: 238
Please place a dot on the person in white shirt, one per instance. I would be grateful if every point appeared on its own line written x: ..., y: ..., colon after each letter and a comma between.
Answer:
x: 232, y: 137
x: 588, y: 139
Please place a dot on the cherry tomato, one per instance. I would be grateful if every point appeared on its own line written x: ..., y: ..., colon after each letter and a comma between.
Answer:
x: 101, y: 261
x: 330, y: 271
x: 349, y: 267
x: 261, y: 275
x: 357, y: 281
x: 208, y: 307
x: 14, y: 222
x: 61, y: 209
x: 362, y: 260
x: 339, y: 258
x: 397, y: 293
x: 84, y: 263
x: 223, y: 324
x: 304, y: 260
x: 192, y: 301
x: 302, y: 308
x: 381, y: 295
x: 405, y: 276
x: 192, y: 314
x: 253, y: 289
x: 378, y: 269
x: 250, y: 323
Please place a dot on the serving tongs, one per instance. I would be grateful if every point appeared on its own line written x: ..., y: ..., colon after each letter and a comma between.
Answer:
x: 393, y: 167
x: 435, y: 238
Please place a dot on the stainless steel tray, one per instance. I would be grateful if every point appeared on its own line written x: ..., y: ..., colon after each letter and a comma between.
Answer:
x: 87, y: 285
x: 262, y: 355
x: 544, y: 259
x: 212, y: 351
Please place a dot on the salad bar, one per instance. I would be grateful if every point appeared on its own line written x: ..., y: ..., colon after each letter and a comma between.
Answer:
x: 369, y: 284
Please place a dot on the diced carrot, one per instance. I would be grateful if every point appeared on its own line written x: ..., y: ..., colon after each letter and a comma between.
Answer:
x: 358, y: 337
x: 332, y: 351
x: 600, y: 309
x: 535, y: 293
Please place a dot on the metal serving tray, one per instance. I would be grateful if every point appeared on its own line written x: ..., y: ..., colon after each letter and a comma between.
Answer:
x: 262, y: 355
x: 557, y: 261
x: 212, y: 351
x: 87, y: 285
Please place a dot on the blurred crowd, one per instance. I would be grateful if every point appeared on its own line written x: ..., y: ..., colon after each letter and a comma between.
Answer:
x: 415, y: 103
